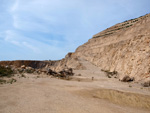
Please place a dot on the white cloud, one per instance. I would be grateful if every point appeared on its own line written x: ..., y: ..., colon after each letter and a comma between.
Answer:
x: 18, y: 40
x: 14, y: 6
x: 16, y: 43
x: 34, y: 49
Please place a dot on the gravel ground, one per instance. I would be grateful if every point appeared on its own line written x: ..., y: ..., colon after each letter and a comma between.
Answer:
x: 52, y: 95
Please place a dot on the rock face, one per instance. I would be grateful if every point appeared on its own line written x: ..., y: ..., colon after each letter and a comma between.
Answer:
x: 70, y: 61
x: 124, y: 47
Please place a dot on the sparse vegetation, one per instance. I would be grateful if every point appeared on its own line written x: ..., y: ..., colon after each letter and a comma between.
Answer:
x: 12, y: 80
x: 22, y: 75
x: 146, y: 84
x: 110, y: 74
x: 5, y: 71
x: 128, y: 26
x: 29, y: 70
x: 124, y: 25
x: 2, y: 81
x: 104, y: 35
x: 20, y: 71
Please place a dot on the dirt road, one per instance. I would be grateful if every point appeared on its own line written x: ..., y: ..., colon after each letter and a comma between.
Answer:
x: 51, y: 95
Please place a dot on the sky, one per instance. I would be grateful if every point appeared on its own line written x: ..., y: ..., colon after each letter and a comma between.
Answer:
x: 49, y: 29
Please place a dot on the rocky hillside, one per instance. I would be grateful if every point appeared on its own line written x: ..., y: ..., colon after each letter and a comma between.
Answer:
x: 124, y: 47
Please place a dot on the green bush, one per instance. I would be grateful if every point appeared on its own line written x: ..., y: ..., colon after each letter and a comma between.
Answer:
x: 12, y: 80
x: 20, y: 70
x: 5, y: 71
x: 29, y: 70
x: 2, y: 81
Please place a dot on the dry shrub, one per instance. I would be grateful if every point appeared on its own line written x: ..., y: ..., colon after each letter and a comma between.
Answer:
x: 146, y: 84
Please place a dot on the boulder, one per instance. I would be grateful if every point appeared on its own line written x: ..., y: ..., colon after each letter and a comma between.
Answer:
x: 23, y: 66
x: 146, y: 84
x: 127, y: 79
x: 51, y: 72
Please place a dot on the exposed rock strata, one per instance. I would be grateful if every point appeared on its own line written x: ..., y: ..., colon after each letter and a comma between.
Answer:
x: 125, y: 50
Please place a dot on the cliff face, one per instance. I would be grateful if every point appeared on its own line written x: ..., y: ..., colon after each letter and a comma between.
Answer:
x: 124, y: 48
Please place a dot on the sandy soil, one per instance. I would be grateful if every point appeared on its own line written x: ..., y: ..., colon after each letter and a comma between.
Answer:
x: 45, y: 94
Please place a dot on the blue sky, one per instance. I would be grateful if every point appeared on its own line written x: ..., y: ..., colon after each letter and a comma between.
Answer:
x: 49, y: 29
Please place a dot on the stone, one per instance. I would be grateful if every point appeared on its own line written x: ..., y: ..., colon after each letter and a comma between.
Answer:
x: 127, y: 79
x: 23, y: 66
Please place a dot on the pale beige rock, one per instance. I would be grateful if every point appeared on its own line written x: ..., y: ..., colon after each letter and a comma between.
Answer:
x: 122, y: 48
x: 23, y: 66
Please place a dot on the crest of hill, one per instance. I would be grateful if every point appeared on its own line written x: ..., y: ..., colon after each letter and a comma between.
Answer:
x: 120, y: 27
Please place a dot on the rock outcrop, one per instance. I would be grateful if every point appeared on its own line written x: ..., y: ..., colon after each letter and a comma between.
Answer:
x: 70, y: 61
x: 124, y: 47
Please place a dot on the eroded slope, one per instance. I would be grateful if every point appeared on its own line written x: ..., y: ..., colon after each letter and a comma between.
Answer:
x: 126, y: 50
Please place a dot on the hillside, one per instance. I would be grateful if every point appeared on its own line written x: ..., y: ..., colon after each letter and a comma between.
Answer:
x: 124, y: 47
